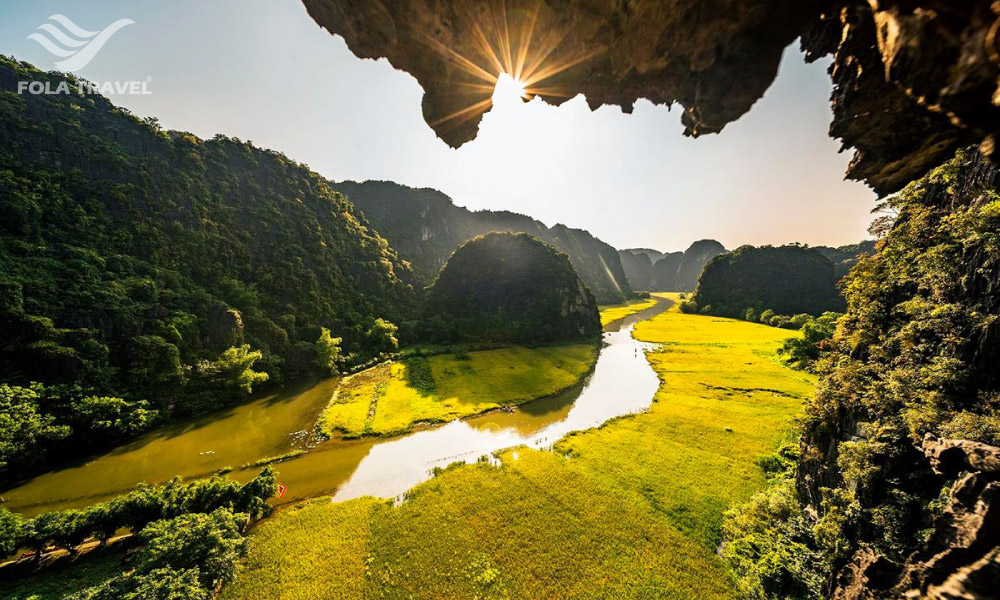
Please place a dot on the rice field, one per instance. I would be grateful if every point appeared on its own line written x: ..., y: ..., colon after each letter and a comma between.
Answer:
x: 629, y: 510
x: 391, y: 398
x: 613, y: 312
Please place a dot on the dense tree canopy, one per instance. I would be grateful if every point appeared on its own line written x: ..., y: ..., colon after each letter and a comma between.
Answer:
x: 693, y: 262
x: 507, y: 287
x: 140, y: 265
x: 787, y: 280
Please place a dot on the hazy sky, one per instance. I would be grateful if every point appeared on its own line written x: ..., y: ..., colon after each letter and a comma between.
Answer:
x: 262, y: 70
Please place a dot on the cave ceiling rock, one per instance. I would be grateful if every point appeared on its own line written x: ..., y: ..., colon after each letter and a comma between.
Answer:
x: 913, y: 79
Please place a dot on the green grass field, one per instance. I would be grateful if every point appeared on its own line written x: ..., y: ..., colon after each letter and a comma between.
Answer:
x: 54, y: 580
x: 613, y: 312
x: 629, y: 510
x: 390, y: 398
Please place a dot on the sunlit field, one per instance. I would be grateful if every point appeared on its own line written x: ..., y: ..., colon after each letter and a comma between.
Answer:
x: 390, y: 398
x: 629, y: 510
x: 613, y: 312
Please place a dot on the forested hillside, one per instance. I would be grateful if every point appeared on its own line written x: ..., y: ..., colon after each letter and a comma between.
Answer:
x: 845, y: 257
x: 653, y: 270
x: 138, y: 264
x: 788, y: 280
x: 880, y: 506
x: 511, y: 287
x: 425, y: 227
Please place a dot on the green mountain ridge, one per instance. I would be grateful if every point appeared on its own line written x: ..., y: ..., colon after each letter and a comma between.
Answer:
x: 786, y: 279
x: 425, y: 227
x: 511, y: 287
x: 648, y: 269
x: 130, y: 255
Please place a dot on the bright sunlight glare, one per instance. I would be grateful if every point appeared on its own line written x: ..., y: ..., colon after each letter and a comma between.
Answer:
x: 509, y: 89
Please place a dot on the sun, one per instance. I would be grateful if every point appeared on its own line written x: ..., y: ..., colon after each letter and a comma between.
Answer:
x: 509, y: 62
x: 509, y: 88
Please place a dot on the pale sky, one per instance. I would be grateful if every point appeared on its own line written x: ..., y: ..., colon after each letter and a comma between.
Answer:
x: 262, y: 70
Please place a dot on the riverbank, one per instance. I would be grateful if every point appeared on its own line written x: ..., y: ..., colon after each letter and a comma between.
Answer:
x: 269, y: 426
x: 613, y: 312
x: 277, y: 425
x: 631, y: 509
x: 391, y: 398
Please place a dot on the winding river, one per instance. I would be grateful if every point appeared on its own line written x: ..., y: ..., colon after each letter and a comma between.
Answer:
x: 622, y: 382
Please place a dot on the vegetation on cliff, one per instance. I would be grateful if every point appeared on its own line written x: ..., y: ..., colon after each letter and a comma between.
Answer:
x: 426, y: 227
x: 787, y: 280
x: 845, y: 257
x: 915, y: 355
x: 138, y: 265
x: 510, y: 288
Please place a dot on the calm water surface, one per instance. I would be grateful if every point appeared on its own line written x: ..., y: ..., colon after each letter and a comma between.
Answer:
x: 622, y: 383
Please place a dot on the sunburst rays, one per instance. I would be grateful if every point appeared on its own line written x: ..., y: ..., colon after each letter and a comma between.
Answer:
x: 507, y: 44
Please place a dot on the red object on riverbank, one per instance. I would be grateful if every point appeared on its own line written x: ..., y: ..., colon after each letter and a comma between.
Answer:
x: 281, y: 490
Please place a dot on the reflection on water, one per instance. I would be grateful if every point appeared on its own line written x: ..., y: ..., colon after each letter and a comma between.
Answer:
x: 622, y: 383
x: 199, y: 447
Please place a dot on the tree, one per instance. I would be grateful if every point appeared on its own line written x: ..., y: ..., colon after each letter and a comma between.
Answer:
x: 38, y: 532
x: 254, y: 494
x: 231, y: 373
x: 328, y: 351
x: 102, y: 522
x: 158, y: 584
x: 24, y: 428
x: 105, y: 415
x: 381, y: 337
x: 10, y: 532
x: 236, y: 367
x: 817, y: 333
x: 68, y: 529
x: 154, y: 367
x: 210, y: 543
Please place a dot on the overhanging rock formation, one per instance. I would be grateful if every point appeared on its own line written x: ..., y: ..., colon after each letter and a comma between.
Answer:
x: 914, y: 79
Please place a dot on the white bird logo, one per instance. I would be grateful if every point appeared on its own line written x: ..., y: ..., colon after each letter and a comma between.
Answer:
x: 73, y: 43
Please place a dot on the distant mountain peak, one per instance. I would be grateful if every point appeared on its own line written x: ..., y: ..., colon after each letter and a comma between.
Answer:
x: 425, y: 227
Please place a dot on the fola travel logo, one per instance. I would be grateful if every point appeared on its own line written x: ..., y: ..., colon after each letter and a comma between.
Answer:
x: 76, y: 47
x: 73, y: 43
